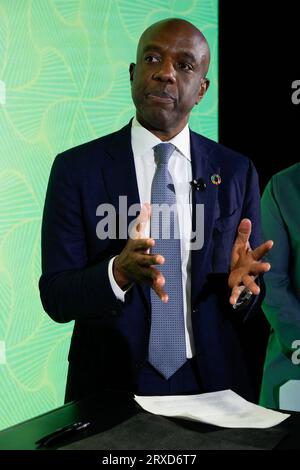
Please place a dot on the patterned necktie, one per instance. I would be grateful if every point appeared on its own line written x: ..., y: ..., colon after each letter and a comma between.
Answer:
x: 167, y: 350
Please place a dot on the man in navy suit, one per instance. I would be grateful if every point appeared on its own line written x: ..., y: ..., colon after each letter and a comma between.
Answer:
x: 103, y: 283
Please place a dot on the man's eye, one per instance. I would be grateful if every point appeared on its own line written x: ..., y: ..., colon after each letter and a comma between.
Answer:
x: 185, y: 66
x: 151, y: 59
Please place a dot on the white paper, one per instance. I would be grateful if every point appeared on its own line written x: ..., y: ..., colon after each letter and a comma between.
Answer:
x: 225, y: 408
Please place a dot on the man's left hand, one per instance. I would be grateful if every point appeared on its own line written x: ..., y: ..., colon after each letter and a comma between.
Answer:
x: 246, y: 264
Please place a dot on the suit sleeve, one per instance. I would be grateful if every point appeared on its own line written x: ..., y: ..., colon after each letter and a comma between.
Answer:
x: 251, y: 206
x: 70, y: 288
x: 280, y: 305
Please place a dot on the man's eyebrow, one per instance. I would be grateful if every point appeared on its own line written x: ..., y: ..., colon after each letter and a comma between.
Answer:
x: 151, y: 47
x: 187, y: 55
x: 183, y: 54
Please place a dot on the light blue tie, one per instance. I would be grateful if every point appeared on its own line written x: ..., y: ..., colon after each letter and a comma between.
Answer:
x: 167, y: 350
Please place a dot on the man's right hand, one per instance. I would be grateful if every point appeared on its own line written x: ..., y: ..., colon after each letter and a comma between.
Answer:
x: 136, y: 264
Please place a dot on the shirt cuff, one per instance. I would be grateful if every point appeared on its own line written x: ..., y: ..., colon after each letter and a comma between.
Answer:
x: 119, y: 293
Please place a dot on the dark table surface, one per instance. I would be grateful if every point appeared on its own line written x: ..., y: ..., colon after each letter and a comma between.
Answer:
x: 117, y: 423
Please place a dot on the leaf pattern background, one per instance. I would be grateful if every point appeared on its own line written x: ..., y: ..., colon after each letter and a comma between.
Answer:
x: 65, y: 66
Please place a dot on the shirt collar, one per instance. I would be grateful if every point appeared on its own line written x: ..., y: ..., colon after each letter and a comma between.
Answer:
x: 143, y: 140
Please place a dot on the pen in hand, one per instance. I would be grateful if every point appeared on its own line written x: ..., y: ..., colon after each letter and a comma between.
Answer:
x: 61, y: 434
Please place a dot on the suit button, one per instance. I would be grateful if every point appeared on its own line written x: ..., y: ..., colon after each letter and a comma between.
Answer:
x: 195, y: 310
x: 114, y: 313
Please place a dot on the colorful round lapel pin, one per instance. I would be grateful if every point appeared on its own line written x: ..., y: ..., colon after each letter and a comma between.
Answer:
x: 216, y: 179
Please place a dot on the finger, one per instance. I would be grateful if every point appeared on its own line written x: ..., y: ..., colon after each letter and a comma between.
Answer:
x: 142, y: 220
x: 259, y: 268
x: 262, y: 250
x: 149, y: 275
x: 158, y: 287
x: 244, y: 231
x: 156, y: 280
x: 235, y: 293
x: 138, y: 228
x: 142, y: 244
x: 250, y: 284
x: 150, y: 260
x: 235, y: 277
x: 241, y: 241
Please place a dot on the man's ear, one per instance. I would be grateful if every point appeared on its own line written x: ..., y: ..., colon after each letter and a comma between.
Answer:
x: 131, y: 71
x: 203, y: 89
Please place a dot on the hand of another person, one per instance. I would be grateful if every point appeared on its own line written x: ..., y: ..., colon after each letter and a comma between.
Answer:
x: 246, y: 264
x: 135, y: 263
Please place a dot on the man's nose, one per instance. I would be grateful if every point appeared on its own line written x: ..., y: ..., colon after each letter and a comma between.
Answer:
x: 165, y: 72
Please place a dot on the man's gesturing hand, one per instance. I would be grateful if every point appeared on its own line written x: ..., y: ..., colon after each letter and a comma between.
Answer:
x: 135, y: 263
x: 245, y: 263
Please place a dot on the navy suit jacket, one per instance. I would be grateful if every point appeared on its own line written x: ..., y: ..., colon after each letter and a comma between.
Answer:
x: 110, y: 338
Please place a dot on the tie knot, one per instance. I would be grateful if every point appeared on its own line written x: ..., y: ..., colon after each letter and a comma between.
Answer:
x: 162, y: 153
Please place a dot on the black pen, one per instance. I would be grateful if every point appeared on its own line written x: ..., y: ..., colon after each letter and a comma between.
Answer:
x: 62, y: 433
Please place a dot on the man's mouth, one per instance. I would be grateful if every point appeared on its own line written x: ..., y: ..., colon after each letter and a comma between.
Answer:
x: 160, y: 97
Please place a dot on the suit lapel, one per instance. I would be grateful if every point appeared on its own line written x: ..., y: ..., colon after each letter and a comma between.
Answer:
x: 203, y: 166
x: 120, y: 180
x: 119, y: 174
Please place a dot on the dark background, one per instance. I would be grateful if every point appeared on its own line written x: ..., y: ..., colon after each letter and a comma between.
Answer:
x: 259, y: 55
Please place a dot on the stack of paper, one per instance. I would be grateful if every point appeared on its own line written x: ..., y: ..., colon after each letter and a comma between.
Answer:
x: 225, y: 408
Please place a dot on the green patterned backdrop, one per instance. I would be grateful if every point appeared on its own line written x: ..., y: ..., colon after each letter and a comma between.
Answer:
x: 63, y: 81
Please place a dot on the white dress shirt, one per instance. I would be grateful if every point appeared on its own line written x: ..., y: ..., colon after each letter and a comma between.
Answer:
x: 180, y: 168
